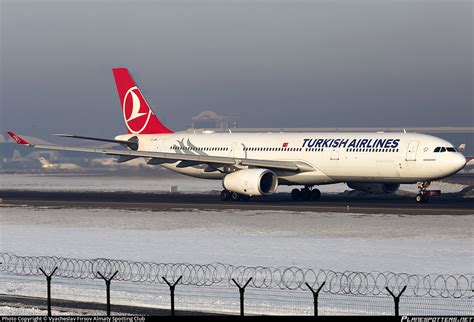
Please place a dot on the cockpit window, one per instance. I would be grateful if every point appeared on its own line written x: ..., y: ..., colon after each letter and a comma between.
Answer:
x: 444, y: 149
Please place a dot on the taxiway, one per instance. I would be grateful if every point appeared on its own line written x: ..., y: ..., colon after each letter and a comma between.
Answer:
x: 444, y: 205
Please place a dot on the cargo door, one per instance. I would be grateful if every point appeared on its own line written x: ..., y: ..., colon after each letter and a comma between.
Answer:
x: 387, y: 169
x: 411, y: 151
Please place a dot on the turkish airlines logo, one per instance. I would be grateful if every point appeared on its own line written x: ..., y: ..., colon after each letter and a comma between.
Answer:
x: 135, y: 110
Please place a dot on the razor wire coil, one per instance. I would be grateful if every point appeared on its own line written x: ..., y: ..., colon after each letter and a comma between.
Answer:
x: 283, y: 278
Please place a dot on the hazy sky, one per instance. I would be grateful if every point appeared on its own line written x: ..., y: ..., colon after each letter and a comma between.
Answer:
x: 276, y: 63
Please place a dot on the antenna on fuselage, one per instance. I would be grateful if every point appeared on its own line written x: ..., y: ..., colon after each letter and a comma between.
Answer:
x: 404, y: 131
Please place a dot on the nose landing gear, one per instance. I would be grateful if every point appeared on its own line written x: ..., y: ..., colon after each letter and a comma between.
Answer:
x: 422, y: 196
x: 305, y: 194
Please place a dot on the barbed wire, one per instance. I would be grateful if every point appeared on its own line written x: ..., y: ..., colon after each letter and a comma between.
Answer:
x: 284, y: 278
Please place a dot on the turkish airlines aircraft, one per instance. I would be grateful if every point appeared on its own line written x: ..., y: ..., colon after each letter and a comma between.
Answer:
x: 254, y: 164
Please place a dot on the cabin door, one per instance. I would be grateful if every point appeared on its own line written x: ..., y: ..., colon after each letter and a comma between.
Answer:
x: 411, y: 151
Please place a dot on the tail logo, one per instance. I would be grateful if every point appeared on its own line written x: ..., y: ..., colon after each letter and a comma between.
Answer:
x: 17, y: 139
x: 135, y: 110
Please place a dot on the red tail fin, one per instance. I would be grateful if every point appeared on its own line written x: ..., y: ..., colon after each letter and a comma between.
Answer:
x: 138, y: 116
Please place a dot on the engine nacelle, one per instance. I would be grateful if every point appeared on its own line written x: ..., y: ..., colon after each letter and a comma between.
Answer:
x: 251, y: 182
x: 374, y: 187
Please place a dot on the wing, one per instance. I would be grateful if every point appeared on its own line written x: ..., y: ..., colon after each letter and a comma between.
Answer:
x: 132, y: 143
x: 187, y: 159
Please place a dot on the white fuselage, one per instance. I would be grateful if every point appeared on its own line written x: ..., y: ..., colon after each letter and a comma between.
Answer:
x: 335, y: 157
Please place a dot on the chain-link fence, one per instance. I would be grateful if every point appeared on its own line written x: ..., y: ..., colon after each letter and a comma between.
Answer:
x: 276, y: 290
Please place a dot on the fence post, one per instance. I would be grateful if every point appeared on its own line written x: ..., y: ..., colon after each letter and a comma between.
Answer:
x: 48, y: 285
x: 172, y: 287
x: 241, y: 292
x: 315, y: 296
x: 396, y: 299
x: 107, y: 288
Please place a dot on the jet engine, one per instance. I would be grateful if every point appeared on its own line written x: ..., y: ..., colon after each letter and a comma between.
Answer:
x: 377, y: 188
x: 251, y: 182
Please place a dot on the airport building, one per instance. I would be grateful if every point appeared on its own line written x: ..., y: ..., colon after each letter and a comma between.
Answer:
x: 211, y: 120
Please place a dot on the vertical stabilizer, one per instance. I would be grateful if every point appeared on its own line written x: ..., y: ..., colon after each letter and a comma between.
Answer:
x: 137, y: 114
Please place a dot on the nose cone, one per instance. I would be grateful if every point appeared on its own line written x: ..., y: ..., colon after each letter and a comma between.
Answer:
x: 457, y: 162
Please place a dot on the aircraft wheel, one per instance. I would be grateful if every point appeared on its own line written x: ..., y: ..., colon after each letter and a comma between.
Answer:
x: 234, y: 196
x: 225, y: 195
x: 419, y: 198
x: 315, y: 195
x: 295, y: 194
x: 305, y: 194
x: 244, y: 198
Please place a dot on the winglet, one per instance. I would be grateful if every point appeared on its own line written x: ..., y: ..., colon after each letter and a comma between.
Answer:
x: 17, y: 139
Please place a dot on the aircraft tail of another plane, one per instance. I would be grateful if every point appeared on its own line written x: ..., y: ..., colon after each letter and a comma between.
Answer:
x: 44, y: 163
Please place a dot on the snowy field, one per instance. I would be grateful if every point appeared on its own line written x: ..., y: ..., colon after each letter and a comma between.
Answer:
x: 340, y: 241
x: 19, y: 310
x: 156, y: 184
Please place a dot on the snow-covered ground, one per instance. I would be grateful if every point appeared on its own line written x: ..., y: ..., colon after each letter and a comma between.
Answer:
x: 340, y: 241
x: 21, y: 310
x: 156, y: 184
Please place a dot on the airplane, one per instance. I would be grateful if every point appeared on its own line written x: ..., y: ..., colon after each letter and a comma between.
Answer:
x: 255, y: 164
x: 45, y: 164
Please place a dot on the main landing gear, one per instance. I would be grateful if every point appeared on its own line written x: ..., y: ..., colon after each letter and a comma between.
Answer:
x: 422, y: 197
x: 305, y: 194
x: 227, y: 195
